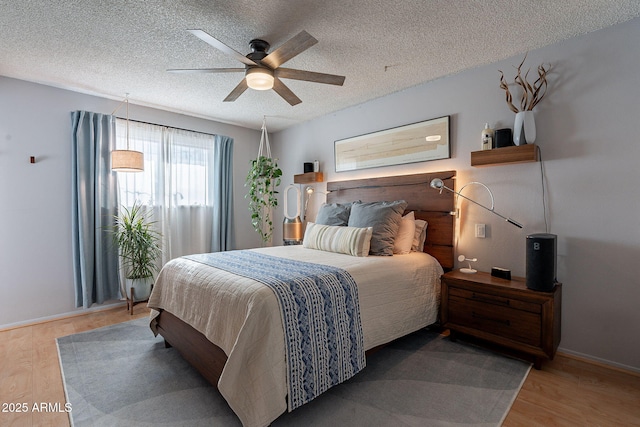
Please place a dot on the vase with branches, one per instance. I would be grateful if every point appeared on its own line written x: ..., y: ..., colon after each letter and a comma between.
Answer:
x: 531, y: 95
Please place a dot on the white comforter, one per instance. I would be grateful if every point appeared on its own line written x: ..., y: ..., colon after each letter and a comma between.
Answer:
x: 397, y: 295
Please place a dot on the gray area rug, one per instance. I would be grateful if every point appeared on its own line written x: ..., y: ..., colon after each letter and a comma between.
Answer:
x: 122, y: 375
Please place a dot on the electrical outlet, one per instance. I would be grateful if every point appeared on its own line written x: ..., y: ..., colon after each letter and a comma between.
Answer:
x: 481, y: 231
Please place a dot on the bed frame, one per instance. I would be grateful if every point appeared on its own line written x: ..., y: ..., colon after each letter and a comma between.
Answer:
x: 427, y: 203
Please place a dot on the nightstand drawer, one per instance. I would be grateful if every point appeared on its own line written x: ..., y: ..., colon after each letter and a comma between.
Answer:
x: 508, y: 322
x: 496, y: 300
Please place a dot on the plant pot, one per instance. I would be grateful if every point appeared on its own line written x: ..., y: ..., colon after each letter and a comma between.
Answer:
x: 141, y: 288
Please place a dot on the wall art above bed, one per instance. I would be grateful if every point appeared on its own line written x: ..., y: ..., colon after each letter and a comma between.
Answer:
x: 417, y: 142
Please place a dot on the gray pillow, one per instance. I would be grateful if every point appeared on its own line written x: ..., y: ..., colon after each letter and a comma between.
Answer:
x: 384, y: 217
x: 333, y: 214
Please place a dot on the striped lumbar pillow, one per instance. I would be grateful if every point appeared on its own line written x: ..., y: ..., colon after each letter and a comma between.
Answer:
x: 343, y: 240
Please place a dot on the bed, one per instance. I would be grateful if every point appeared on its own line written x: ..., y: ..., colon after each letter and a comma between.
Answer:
x: 232, y: 332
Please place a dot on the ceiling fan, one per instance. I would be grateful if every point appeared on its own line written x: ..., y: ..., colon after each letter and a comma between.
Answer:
x: 262, y: 70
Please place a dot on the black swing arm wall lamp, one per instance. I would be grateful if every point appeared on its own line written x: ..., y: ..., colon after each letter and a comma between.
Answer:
x: 438, y: 184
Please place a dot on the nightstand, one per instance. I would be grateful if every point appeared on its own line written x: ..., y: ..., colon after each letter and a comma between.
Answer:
x: 504, y: 312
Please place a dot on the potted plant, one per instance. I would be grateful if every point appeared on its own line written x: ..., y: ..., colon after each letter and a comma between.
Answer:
x: 139, y: 246
x: 262, y: 180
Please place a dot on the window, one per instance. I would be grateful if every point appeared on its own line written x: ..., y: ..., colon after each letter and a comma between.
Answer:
x: 176, y: 183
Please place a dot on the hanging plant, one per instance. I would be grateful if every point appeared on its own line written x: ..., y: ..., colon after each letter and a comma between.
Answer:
x: 262, y: 180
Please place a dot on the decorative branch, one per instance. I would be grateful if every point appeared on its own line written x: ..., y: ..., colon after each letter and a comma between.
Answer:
x: 503, y: 85
x: 532, y: 94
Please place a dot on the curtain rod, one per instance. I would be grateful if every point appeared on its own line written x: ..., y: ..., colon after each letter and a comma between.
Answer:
x: 165, y: 126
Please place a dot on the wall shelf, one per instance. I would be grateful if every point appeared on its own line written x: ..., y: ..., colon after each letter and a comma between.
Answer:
x: 505, y: 155
x: 308, y: 178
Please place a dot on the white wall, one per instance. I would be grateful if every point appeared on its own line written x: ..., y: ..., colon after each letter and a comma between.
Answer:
x: 589, y: 132
x: 35, y: 199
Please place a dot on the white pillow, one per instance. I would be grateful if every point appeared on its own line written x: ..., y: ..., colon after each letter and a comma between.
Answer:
x: 406, y: 234
x: 340, y: 239
x: 419, y: 236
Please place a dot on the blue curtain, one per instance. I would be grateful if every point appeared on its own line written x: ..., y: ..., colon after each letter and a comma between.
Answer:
x: 222, y: 237
x: 94, y: 204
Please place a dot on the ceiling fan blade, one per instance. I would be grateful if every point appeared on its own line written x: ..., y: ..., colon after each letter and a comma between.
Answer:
x: 309, y: 76
x: 285, y: 92
x: 207, y: 38
x: 237, y: 91
x: 205, y: 70
x: 292, y: 47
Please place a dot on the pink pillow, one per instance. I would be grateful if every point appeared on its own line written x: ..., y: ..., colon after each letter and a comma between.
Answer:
x: 406, y: 234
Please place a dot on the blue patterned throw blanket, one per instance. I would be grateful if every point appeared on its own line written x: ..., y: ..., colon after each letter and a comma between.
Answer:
x: 320, y: 314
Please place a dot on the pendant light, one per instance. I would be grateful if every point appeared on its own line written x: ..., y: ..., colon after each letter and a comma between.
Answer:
x: 127, y: 160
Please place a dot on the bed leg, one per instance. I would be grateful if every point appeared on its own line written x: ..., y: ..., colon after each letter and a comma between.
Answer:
x: 167, y: 344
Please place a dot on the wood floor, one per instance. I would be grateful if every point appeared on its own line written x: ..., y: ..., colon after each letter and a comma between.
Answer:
x: 566, y: 392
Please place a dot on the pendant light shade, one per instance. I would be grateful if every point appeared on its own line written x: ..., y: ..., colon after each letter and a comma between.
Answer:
x: 127, y: 160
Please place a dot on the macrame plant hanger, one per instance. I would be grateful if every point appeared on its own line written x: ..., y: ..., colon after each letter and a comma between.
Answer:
x: 265, y: 150
x: 265, y: 147
x: 263, y: 194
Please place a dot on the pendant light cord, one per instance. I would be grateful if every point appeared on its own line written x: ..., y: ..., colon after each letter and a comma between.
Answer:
x: 544, y: 196
x: 124, y: 101
x: 127, y: 99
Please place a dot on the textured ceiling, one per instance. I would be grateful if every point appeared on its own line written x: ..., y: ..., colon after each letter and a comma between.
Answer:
x: 110, y: 48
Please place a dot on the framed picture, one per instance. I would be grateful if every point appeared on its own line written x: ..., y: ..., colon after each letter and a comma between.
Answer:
x: 417, y: 142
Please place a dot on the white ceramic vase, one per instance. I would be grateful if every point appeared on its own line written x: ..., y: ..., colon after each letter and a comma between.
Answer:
x: 524, y: 128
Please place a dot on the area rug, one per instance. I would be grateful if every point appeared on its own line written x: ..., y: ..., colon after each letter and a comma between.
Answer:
x: 122, y: 375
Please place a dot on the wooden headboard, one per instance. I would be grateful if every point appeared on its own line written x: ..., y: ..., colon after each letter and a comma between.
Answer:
x: 427, y: 203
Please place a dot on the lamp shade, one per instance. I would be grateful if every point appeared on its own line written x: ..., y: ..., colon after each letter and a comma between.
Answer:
x: 127, y: 161
x: 259, y: 78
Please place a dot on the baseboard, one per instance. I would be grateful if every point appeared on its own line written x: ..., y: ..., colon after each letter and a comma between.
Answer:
x: 608, y: 364
x: 61, y: 316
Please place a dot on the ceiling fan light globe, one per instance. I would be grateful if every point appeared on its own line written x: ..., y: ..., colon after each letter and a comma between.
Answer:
x: 259, y: 78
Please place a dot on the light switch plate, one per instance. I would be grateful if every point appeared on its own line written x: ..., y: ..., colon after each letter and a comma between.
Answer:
x: 481, y: 231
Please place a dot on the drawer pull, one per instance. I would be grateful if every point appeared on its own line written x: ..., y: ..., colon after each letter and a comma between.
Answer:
x: 489, y: 299
x: 502, y: 321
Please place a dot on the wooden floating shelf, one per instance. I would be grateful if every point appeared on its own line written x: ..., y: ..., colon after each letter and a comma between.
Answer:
x: 308, y: 178
x: 505, y: 155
